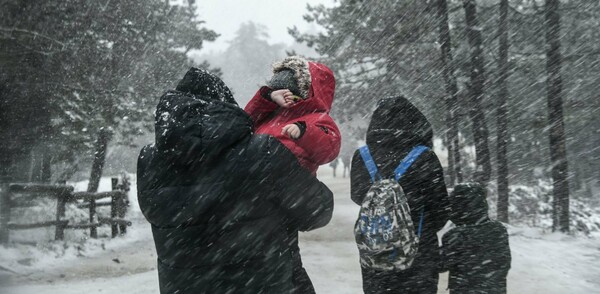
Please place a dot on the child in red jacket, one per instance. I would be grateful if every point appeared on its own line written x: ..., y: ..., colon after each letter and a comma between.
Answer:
x: 294, y: 108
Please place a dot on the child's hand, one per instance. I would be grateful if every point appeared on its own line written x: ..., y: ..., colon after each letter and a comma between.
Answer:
x: 284, y: 98
x: 291, y: 130
x: 292, y: 99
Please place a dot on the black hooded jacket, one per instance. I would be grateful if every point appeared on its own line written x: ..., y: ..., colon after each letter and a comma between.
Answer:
x: 396, y: 127
x: 219, y: 198
x: 477, y: 251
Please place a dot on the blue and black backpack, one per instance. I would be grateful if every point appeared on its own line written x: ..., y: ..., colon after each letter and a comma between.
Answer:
x: 385, y: 232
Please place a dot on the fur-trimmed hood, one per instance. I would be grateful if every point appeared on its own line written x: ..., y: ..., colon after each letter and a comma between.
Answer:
x: 315, y: 81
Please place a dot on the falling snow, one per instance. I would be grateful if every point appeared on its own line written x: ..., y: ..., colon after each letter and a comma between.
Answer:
x: 507, y: 89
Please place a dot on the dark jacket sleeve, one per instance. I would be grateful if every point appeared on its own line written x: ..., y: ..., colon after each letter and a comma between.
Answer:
x: 445, y: 254
x: 440, y: 206
x: 360, y: 181
x: 259, y: 107
x: 147, y: 182
x: 306, y: 202
x: 424, y: 182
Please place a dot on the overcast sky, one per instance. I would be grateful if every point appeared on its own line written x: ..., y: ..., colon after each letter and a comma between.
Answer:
x: 225, y: 17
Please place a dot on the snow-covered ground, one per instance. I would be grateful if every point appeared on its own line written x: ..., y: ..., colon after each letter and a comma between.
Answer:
x: 542, y: 262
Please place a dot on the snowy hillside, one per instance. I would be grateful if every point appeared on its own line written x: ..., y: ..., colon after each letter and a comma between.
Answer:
x: 542, y: 262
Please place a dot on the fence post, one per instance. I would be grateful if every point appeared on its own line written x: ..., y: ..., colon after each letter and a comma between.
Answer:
x: 124, y: 201
x: 93, y: 229
x: 122, y: 210
x: 61, y: 202
x: 114, y: 203
x: 4, y: 209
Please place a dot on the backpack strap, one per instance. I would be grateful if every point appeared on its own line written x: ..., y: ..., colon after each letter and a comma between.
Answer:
x: 421, y: 218
x: 369, y: 163
x: 403, y: 167
x: 409, y: 160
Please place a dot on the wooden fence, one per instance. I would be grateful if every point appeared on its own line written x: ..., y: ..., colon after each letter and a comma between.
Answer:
x: 116, y: 199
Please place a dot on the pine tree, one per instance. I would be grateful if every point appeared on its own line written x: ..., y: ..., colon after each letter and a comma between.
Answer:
x: 378, y: 49
x: 78, y: 66
x: 558, y: 150
x: 501, y: 127
x: 248, y: 60
x: 454, y: 161
x: 476, y: 92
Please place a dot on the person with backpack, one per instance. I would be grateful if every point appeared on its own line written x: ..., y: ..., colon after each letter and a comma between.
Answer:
x: 476, y: 251
x: 399, y: 183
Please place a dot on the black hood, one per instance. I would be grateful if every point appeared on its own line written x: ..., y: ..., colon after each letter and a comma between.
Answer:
x: 398, y: 125
x: 199, y: 120
x: 201, y: 83
x: 469, y: 204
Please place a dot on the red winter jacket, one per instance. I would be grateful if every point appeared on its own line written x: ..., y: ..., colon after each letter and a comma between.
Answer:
x: 321, y: 140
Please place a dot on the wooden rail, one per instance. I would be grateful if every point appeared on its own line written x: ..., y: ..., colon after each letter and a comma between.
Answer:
x: 48, y: 190
x: 64, y: 194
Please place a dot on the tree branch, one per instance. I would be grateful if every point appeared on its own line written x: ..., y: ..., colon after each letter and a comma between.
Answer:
x: 35, y: 34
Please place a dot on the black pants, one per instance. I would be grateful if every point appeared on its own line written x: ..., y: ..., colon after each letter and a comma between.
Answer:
x: 300, y: 279
x: 421, y: 278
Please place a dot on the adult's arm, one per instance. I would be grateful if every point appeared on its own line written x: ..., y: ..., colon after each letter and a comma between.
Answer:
x: 147, y: 182
x: 260, y: 106
x: 321, y: 137
x: 360, y: 181
x: 155, y: 193
x: 306, y: 202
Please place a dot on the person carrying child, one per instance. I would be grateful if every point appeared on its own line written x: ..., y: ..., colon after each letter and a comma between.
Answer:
x: 399, y: 131
x: 476, y: 251
x: 294, y: 108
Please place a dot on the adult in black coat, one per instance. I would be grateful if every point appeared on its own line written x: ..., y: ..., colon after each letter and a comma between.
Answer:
x: 395, y: 128
x: 476, y: 252
x: 220, y: 199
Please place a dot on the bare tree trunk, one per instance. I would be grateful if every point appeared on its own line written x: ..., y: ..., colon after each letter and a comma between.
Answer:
x: 46, y: 168
x: 480, y: 131
x: 104, y: 135
x: 99, y: 158
x: 452, y: 92
x: 40, y: 165
x: 4, y: 208
x: 558, y: 150
x: 502, y: 128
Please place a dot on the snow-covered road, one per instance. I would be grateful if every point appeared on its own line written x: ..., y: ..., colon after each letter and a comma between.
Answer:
x: 542, y: 263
